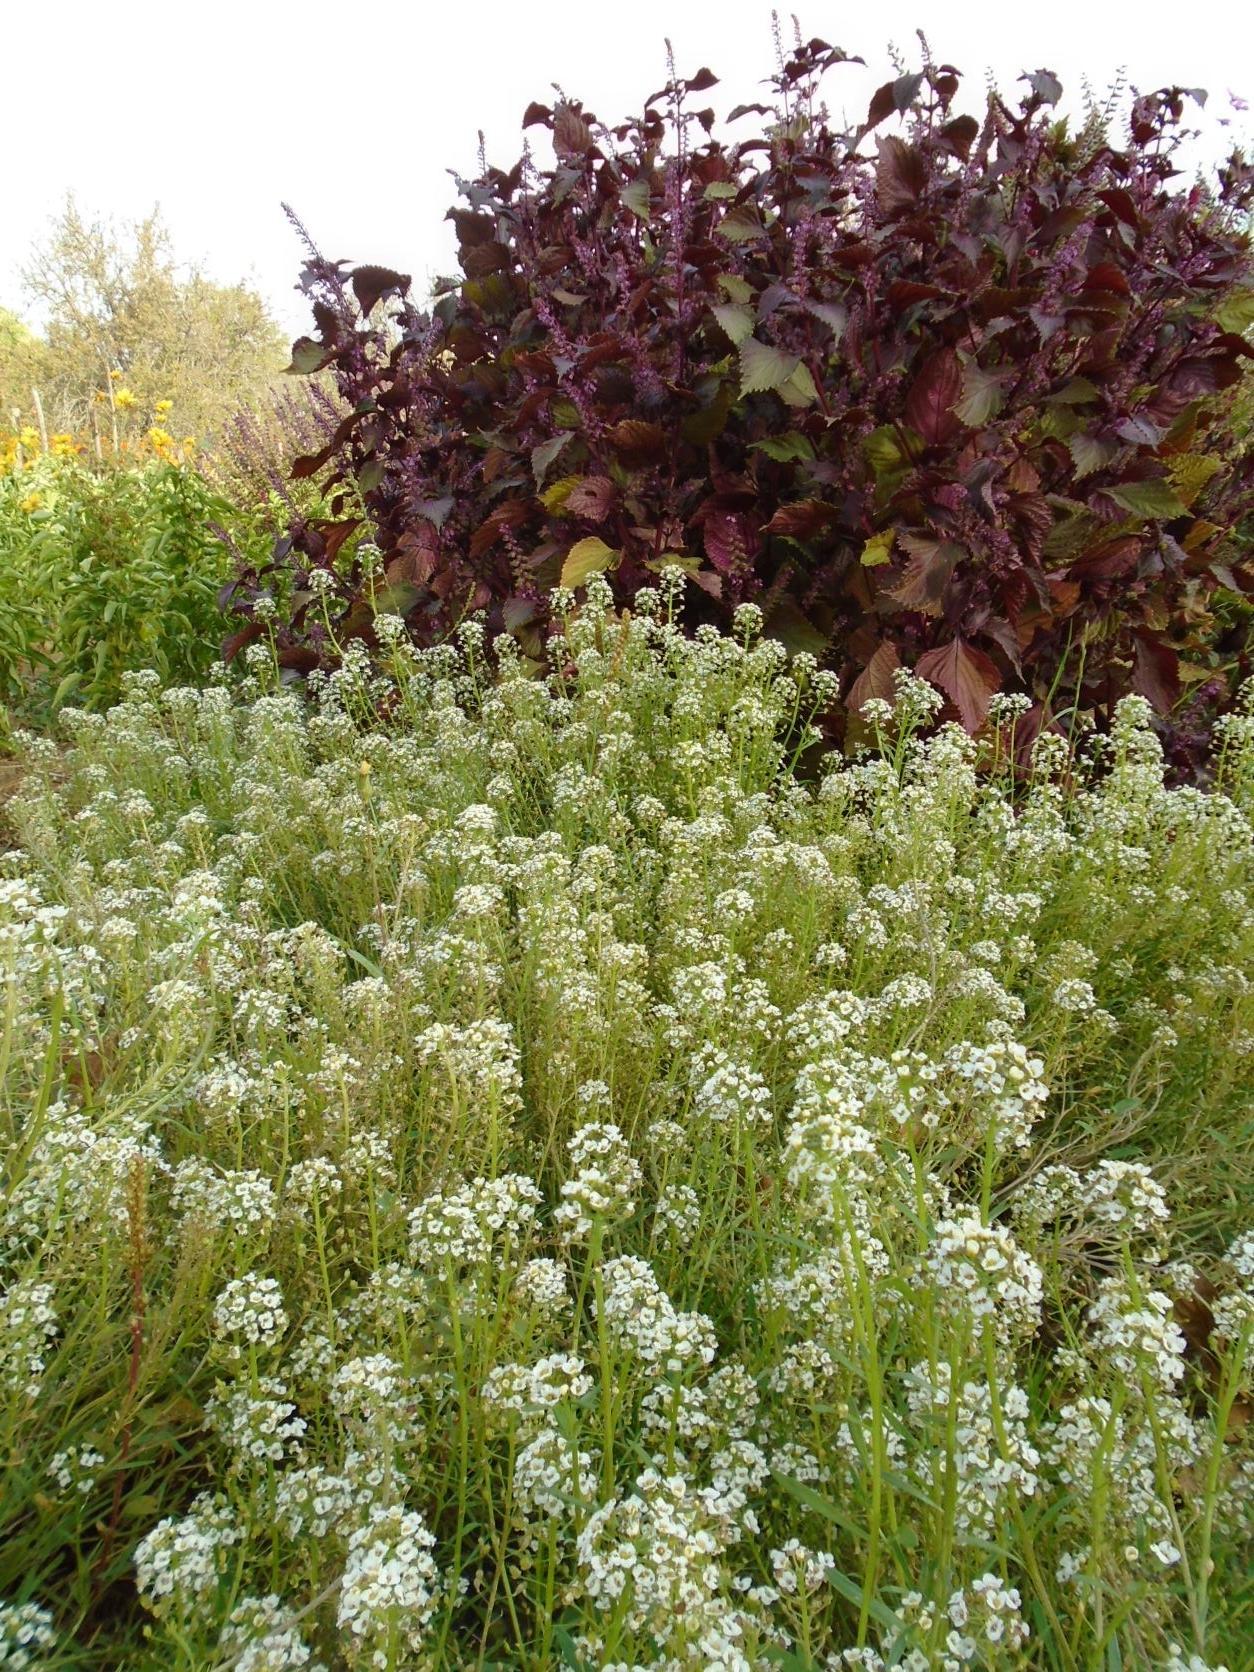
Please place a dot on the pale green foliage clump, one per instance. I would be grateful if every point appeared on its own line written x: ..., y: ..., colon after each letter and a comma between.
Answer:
x: 535, y: 1182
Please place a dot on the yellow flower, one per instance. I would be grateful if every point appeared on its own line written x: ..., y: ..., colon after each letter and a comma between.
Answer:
x: 162, y: 407
x: 32, y: 502
x: 116, y: 376
x: 28, y: 436
x: 123, y: 398
x: 63, y: 446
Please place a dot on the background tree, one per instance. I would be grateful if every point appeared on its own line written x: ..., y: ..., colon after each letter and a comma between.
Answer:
x: 20, y: 365
x: 116, y: 300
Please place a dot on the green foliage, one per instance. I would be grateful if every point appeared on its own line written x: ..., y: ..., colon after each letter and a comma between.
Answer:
x: 536, y: 1183
x: 104, y: 573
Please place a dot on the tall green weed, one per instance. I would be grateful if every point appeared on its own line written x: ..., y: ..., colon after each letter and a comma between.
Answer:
x: 105, y: 573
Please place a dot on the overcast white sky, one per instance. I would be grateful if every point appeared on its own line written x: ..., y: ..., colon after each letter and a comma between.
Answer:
x: 354, y: 112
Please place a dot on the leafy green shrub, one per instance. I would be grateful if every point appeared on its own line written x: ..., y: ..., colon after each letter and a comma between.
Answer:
x: 959, y: 404
x: 104, y: 573
x: 540, y: 1186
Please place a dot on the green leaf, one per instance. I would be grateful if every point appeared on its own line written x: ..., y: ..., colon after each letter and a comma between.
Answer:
x: 586, y: 558
x: 69, y: 684
x: 1237, y: 312
x: 982, y: 395
x: 883, y: 450
x: 736, y: 319
x: 720, y: 189
x: 852, y: 1592
x: 823, y: 1507
x: 709, y: 421
x: 543, y: 456
x: 878, y: 549
x: 1155, y: 498
x: 566, y: 1643
x: 636, y: 197
x: 397, y: 598
x: 554, y: 498
x: 736, y: 287
x: 834, y: 315
x: 799, y: 389
x: 1059, y: 423
x: 741, y: 224
x: 763, y: 367
x: 1076, y: 392
x: 784, y: 448
x: 1089, y: 453
x: 307, y: 356
x: 790, y: 627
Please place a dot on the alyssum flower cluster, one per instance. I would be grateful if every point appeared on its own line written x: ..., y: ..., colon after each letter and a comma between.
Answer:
x: 548, y: 1179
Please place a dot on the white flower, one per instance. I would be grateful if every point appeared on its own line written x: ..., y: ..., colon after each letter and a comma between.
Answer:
x: 603, y: 1188
x: 640, y: 1317
x: 390, y: 1584
x: 262, y: 1635
x: 178, y: 1564
x: 25, y: 1634
x: 250, y: 1307
x: 980, y: 1268
x: 28, y: 1325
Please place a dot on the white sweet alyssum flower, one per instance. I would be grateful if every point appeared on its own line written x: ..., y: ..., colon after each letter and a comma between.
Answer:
x: 178, y: 1564
x: 978, y: 1268
x: 519, y: 1151
x: 26, y: 1635
x: 249, y: 1312
x: 263, y: 1635
x: 390, y: 1585
x: 605, y: 1179
x: 28, y: 1326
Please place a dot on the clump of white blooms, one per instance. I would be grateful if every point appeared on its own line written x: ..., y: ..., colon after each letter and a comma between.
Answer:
x: 978, y: 1269
x: 797, y: 1569
x: 604, y: 1179
x: 460, y: 1227
x: 987, y: 1621
x: 179, y: 1563
x: 26, y: 1634
x: 1109, y: 1204
x: 28, y: 1325
x: 640, y: 1317
x: 77, y: 1469
x: 1136, y: 1333
x: 552, y: 1477
x: 678, y: 1211
x: 262, y: 1634
x: 530, y: 1389
x: 249, y: 1312
x: 502, y: 1168
x: 255, y: 1419
x: 388, y: 1592
x: 542, y: 1283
